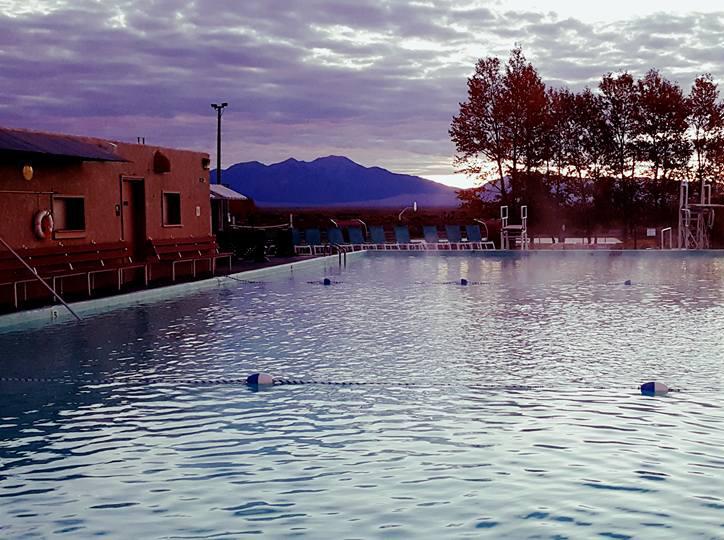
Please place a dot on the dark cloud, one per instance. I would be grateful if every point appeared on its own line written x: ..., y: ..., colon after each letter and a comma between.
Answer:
x: 378, y: 80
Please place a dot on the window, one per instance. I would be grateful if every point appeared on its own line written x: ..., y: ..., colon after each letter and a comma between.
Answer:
x: 68, y: 213
x: 171, y: 209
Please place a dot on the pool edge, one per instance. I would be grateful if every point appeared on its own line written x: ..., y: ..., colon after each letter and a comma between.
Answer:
x: 57, y: 314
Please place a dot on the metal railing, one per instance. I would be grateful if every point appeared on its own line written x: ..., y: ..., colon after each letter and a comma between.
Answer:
x: 341, y: 252
x: 665, y: 231
x: 40, y: 279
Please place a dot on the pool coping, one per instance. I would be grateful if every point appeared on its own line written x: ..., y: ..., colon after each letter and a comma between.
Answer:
x: 57, y: 314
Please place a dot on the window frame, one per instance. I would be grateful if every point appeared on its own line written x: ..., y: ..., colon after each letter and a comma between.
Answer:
x: 60, y: 234
x: 164, y: 209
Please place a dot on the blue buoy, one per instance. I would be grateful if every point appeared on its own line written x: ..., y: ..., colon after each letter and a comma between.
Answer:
x: 654, y: 389
x: 463, y: 281
x: 627, y: 282
x: 259, y: 379
x: 327, y: 281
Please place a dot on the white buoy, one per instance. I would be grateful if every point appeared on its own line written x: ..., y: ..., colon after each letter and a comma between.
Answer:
x: 654, y: 388
x: 259, y: 379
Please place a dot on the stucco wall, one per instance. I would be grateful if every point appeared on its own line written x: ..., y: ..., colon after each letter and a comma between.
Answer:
x: 100, y: 184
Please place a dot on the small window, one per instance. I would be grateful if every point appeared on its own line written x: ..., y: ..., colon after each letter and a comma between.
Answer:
x: 172, y: 209
x: 68, y: 213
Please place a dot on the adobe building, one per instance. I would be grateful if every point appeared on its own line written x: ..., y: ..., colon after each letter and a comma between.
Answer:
x: 65, y: 192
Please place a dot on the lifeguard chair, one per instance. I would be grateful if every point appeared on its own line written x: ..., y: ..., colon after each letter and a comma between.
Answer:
x: 696, y: 219
x: 512, y: 235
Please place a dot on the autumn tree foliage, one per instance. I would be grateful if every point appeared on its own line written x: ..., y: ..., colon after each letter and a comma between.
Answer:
x: 502, y: 122
x: 479, y: 131
x: 706, y: 121
x: 619, y: 148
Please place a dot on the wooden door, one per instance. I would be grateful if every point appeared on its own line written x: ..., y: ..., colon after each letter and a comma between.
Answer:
x: 133, y: 215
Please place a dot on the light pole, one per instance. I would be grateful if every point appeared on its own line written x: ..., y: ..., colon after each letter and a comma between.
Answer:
x: 219, y: 111
x: 413, y: 208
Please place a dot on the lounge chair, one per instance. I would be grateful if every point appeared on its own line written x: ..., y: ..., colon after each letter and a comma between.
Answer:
x: 432, y: 240
x: 356, y: 238
x: 301, y: 247
x: 377, y: 237
x: 476, y: 239
x: 335, y: 236
x: 314, y: 238
x: 455, y: 239
x: 402, y: 238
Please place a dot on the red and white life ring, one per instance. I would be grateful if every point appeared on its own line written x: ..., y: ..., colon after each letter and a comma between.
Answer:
x: 43, y: 224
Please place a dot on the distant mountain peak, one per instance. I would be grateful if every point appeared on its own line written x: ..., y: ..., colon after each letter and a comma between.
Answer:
x: 333, y: 181
x: 334, y: 158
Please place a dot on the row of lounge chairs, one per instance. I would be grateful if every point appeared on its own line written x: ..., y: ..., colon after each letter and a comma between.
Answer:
x: 455, y: 237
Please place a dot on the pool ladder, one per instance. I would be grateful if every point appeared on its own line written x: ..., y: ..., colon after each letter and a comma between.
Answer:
x: 341, y: 252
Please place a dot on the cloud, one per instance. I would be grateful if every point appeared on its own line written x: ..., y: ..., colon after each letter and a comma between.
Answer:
x: 378, y: 80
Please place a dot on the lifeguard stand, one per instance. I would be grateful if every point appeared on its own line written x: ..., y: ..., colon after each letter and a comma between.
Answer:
x: 696, y: 219
x: 510, y: 235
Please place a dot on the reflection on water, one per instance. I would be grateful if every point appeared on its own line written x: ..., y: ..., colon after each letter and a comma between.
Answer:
x: 584, y: 456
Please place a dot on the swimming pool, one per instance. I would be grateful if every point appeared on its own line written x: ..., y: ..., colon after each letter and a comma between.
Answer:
x: 120, y: 450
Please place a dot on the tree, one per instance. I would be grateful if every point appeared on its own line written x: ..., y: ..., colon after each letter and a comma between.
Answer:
x: 594, y: 134
x: 478, y: 130
x: 560, y: 131
x: 620, y: 110
x: 524, y: 108
x: 706, y: 120
x: 502, y: 122
x: 661, y: 125
x: 620, y: 104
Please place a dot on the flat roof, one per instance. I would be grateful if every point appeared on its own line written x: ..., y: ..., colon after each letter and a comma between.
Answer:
x: 33, y: 143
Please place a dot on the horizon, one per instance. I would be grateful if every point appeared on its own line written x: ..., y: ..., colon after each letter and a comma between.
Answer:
x: 458, y: 181
x: 376, y: 83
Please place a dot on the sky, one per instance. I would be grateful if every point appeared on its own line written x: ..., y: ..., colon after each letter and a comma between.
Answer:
x: 376, y: 80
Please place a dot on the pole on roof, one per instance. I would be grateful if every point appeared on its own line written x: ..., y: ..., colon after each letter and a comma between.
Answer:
x: 32, y: 271
x: 219, y: 108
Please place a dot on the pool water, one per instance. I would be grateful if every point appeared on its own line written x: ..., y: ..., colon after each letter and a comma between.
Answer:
x: 119, y: 449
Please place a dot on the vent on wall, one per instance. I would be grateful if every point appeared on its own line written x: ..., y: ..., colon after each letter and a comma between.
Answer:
x: 206, y: 163
x: 161, y: 163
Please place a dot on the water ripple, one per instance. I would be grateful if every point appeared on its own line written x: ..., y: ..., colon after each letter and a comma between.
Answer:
x: 585, y: 455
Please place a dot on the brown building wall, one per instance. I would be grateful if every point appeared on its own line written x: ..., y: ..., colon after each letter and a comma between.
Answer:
x: 102, y: 186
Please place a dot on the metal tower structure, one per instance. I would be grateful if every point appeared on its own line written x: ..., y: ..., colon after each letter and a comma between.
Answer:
x: 696, y: 217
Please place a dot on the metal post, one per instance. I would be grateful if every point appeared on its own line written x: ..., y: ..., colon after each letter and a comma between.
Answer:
x: 218, y: 146
x: 219, y: 111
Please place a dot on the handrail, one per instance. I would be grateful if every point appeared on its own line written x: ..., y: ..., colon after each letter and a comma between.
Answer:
x: 503, y: 216
x: 687, y: 216
x: 35, y: 273
x: 663, y: 231
x: 341, y: 252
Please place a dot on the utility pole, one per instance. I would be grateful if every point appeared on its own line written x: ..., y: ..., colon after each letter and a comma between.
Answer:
x: 219, y: 111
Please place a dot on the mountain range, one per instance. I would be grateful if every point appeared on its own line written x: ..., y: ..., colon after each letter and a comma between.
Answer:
x: 332, y: 181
